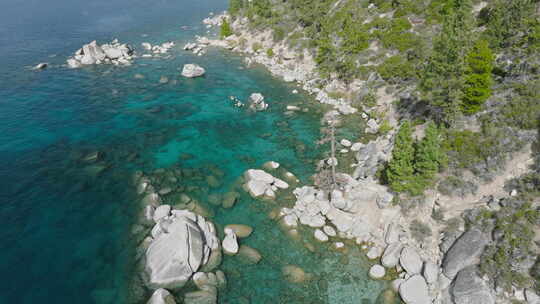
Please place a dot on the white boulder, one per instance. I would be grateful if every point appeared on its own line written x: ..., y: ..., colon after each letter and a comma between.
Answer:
x: 230, y: 242
x: 161, y: 296
x: 377, y: 272
x: 414, y: 291
x: 192, y: 70
x: 410, y: 260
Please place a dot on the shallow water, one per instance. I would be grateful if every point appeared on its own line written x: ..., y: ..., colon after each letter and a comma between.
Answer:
x: 67, y: 222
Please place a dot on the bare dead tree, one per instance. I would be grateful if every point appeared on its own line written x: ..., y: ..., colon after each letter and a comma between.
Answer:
x: 326, y: 176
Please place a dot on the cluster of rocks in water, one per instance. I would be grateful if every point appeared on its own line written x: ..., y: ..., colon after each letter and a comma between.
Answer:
x: 157, y: 49
x: 180, y: 246
x: 110, y: 53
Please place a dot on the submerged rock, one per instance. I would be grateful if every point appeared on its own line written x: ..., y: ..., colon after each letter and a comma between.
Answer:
x: 241, y: 231
x: 294, y: 274
x: 249, y: 255
x: 192, y: 70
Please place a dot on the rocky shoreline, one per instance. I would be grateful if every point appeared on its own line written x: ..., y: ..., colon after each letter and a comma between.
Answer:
x: 440, y: 269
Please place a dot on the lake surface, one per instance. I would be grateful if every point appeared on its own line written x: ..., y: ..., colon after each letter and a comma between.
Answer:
x: 68, y: 221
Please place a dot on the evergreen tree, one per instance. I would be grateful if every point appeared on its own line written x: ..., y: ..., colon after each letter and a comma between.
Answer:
x: 477, y: 87
x: 442, y: 79
x: 509, y: 22
x: 225, y: 29
x: 235, y: 6
x: 400, y: 171
x: 429, y: 156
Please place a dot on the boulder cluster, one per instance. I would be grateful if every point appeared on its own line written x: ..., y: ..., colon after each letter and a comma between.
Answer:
x: 110, y: 53
x: 261, y: 184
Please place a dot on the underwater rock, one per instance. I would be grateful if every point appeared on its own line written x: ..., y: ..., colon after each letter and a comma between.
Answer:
x: 161, y: 296
x: 271, y: 165
x: 206, y: 296
x: 377, y: 272
x: 295, y: 274
x: 241, y: 231
x: 249, y: 255
x: 221, y: 279
x: 230, y: 242
x: 192, y: 70
x: 213, y: 182
x: 229, y: 199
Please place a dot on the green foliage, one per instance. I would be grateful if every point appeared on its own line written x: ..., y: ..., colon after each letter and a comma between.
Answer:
x: 385, y: 127
x: 396, y: 68
x: 429, y: 156
x: 442, y: 78
x: 510, y: 22
x: 225, y: 29
x: 464, y: 146
x: 414, y: 165
x: 256, y: 46
x: 477, y: 86
x: 270, y: 52
x: 400, y: 171
x: 235, y: 6
x: 514, y: 230
x: 523, y: 109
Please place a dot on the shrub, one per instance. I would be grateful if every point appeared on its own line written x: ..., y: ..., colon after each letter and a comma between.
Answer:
x: 256, y: 46
x: 396, y: 68
x: 270, y: 52
x: 523, y: 110
x: 419, y: 230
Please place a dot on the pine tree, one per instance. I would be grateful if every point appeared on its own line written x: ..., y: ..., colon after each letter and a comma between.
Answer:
x: 442, y: 80
x: 225, y: 29
x: 477, y: 87
x: 429, y: 157
x: 400, y: 171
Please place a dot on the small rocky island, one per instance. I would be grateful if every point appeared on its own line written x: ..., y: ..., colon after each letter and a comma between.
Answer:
x: 110, y: 53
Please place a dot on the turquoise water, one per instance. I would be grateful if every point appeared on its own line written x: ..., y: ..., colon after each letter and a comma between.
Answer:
x: 67, y: 222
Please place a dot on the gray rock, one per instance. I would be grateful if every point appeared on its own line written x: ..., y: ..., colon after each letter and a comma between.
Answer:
x: 320, y: 235
x: 41, y: 66
x: 391, y: 255
x: 410, y: 260
x: 182, y: 246
x: 161, y: 212
x: 73, y: 63
x: 464, y: 252
x: 161, y: 296
x: 230, y: 242
x: 414, y: 291
x: 192, y: 70
x: 392, y: 233
x: 531, y: 297
x: 430, y: 272
x: 206, y: 296
x: 377, y: 272
x: 469, y: 288
x: 257, y: 102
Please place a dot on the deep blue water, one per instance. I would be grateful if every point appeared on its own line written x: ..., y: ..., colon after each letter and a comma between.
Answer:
x: 66, y: 222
